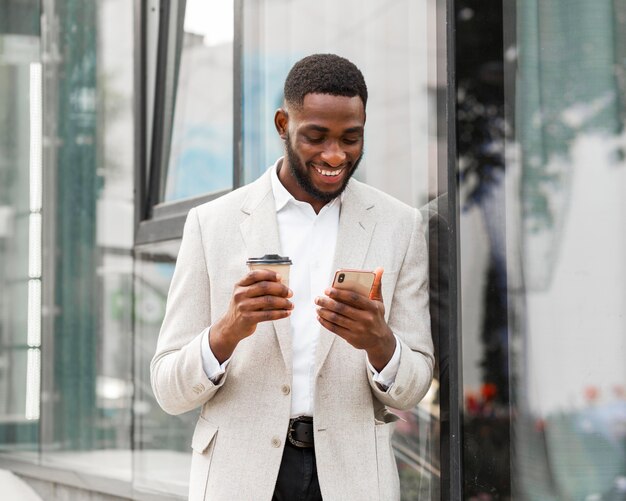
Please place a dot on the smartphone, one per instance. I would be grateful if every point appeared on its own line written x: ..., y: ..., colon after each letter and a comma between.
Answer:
x: 360, y: 281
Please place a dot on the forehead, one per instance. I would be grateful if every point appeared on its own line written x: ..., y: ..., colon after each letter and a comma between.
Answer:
x: 327, y: 110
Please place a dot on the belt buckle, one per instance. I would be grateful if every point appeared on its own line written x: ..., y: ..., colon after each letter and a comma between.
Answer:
x: 293, y: 441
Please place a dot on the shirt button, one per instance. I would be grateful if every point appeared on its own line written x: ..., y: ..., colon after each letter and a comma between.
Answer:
x: 275, y: 442
x: 285, y: 389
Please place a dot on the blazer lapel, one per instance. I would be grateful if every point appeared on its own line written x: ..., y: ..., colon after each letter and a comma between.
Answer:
x: 260, y: 234
x: 356, y: 226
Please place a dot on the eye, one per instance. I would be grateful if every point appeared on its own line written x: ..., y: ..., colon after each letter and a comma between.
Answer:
x: 351, y: 140
x: 314, y: 139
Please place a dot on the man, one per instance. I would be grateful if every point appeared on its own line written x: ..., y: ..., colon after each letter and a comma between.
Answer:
x: 294, y: 382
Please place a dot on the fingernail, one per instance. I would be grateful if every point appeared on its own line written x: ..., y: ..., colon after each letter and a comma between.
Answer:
x: 290, y: 293
x: 278, y: 277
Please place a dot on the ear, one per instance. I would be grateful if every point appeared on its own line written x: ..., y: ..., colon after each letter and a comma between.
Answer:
x: 281, y: 122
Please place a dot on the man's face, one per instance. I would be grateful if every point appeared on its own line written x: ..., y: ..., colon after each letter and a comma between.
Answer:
x: 324, y: 144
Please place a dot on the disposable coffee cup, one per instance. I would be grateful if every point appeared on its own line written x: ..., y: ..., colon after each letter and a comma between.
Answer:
x: 273, y: 262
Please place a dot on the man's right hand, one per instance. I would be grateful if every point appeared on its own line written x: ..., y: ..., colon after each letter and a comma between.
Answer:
x: 259, y: 297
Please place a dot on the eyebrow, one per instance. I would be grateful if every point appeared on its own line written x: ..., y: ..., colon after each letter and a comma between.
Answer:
x: 319, y: 128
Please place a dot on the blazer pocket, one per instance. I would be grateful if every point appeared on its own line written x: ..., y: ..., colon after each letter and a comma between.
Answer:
x: 384, y: 416
x: 388, y: 479
x: 203, y: 444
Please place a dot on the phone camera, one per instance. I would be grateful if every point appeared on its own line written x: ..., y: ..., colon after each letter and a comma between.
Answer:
x: 341, y: 278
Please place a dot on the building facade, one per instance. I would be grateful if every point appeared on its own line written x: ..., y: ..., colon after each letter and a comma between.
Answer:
x: 503, y: 121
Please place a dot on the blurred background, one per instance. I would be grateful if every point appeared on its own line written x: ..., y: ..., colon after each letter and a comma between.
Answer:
x: 502, y: 121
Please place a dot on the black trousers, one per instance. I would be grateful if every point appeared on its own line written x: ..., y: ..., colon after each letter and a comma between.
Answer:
x: 297, y: 478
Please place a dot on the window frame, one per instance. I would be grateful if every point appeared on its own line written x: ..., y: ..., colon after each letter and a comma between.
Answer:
x: 157, y: 221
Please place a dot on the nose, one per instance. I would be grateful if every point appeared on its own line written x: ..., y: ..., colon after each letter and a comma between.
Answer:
x: 333, y: 154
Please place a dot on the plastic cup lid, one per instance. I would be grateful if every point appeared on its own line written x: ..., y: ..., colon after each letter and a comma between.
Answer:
x: 269, y: 259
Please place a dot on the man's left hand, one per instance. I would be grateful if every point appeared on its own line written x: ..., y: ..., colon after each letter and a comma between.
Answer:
x: 360, y: 320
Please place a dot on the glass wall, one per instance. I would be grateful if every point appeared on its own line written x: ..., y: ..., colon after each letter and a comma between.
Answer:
x: 20, y: 226
x: 88, y: 206
x: 82, y: 301
x: 82, y: 296
x: 116, y: 117
x: 66, y: 233
x: 541, y: 90
x: 543, y: 165
x: 161, y: 460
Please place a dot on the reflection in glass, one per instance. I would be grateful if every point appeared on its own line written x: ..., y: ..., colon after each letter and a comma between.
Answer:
x: 87, y: 275
x: 20, y: 228
x: 542, y: 143
x: 161, y: 460
x: 201, y: 151
x: 390, y: 42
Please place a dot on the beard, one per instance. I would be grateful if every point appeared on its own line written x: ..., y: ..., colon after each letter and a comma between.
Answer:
x: 302, y: 176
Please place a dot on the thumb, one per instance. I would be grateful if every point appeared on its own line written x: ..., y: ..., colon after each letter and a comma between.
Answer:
x: 377, y: 292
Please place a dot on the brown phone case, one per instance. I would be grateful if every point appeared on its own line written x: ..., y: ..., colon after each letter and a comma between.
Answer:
x: 360, y: 281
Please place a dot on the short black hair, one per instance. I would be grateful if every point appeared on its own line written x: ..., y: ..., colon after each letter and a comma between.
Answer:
x: 324, y: 74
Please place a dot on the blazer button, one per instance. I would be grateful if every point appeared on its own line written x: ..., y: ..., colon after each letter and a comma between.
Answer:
x: 285, y: 389
x: 275, y: 442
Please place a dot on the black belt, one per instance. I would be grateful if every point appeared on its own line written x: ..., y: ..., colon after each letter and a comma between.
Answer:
x: 300, y: 432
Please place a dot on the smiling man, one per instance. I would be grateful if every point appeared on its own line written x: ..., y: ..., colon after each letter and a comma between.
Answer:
x: 294, y: 383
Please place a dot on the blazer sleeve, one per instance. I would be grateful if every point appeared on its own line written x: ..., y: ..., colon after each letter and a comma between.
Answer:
x: 176, y: 372
x: 409, y: 319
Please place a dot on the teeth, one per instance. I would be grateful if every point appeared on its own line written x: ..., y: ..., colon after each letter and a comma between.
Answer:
x: 328, y: 172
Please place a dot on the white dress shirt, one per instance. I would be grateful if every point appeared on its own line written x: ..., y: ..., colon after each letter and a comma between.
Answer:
x: 309, y: 240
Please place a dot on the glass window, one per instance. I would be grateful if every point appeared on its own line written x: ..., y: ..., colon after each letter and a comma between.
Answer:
x: 88, y: 240
x: 201, y: 150
x: 20, y: 227
x: 394, y: 46
x: 162, y: 457
x: 542, y: 243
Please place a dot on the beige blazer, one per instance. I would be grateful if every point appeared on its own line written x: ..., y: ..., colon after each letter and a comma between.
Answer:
x: 238, y: 441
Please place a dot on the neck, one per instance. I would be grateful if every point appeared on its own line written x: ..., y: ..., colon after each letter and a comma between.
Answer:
x: 291, y: 184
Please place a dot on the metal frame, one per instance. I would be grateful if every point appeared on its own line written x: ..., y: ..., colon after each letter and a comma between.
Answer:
x: 140, y: 106
x: 158, y: 118
x: 238, y: 95
x: 51, y: 59
x: 452, y: 443
x: 163, y: 104
x: 155, y: 221
x: 444, y: 235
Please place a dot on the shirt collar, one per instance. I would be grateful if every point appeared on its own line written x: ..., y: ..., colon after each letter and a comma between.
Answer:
x: 282, y: 197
